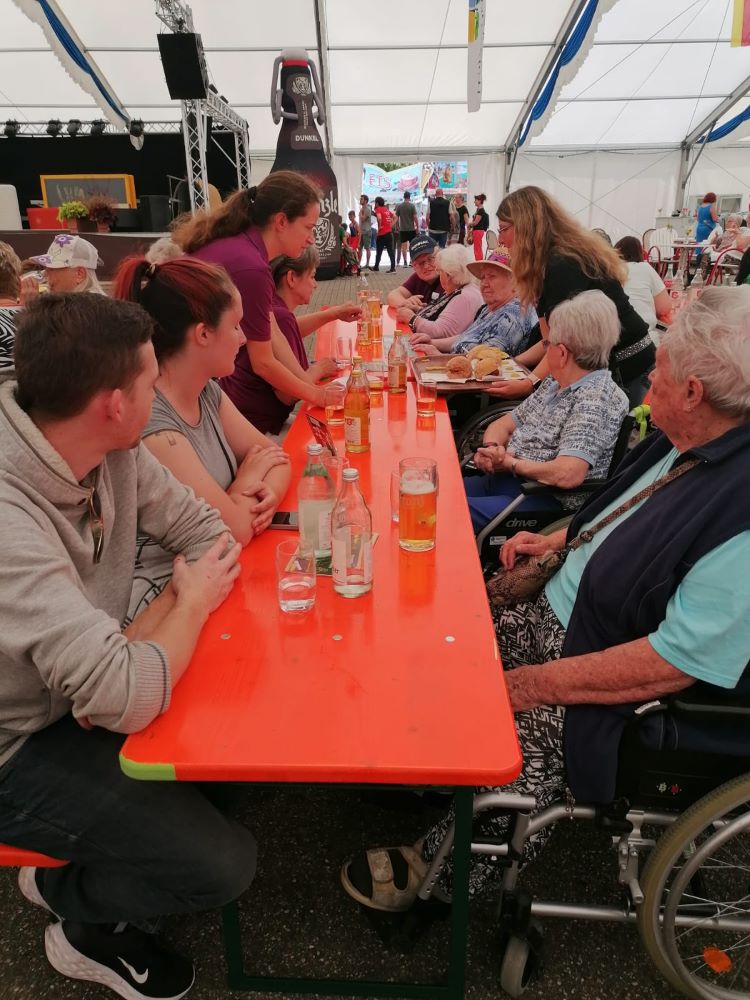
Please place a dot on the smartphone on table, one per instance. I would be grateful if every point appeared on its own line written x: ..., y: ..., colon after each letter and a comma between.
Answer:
x: 285, y: 520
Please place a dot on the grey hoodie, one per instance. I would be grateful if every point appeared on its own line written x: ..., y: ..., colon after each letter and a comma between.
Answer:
x: 61, y: 644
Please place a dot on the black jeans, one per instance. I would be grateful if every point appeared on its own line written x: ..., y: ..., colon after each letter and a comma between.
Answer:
x: 138, y: 849
x: 441, y: 238
x: 384, y: 242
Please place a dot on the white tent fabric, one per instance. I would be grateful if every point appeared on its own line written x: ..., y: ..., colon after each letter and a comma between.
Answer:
x: 651, y: 72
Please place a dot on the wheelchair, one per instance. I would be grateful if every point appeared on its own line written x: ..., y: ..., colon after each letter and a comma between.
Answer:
x: 686, y: 814
x: 510, y: 520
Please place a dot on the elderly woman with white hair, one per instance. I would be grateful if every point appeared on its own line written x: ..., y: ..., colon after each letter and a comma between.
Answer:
x: 70, y: 265
x: 654, y: 601
x: 457, y: 307
x: 566, y: 431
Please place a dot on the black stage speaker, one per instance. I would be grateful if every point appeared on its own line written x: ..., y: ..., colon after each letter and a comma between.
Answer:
x: 184, y: 65
x: 154, y: 213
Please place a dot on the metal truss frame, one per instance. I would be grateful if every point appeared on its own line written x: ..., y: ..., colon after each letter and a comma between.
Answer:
x: 178, y: 17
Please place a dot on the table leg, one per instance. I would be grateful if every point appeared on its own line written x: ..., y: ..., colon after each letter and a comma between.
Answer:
x: 451, y: 989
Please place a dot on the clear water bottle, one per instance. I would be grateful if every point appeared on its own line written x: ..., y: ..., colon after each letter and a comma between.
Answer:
x: 316, y: 495
x: 351, y: 528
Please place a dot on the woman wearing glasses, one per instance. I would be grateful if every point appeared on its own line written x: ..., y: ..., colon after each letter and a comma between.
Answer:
x: 195, y: 430
x: 554, y: 259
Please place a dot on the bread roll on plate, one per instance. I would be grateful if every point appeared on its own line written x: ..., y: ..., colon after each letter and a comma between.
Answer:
x: 459, y: 367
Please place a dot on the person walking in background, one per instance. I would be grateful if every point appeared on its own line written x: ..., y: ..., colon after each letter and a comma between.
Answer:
x: 480, y: 223
x: 463, y: 216
x: 708, y: 216
x: 365, y: 229
x: 407, y: 228
x: 385, y: 234
x: 438, y: 218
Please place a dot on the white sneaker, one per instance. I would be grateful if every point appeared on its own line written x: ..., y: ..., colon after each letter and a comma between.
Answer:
x: 29, y: 888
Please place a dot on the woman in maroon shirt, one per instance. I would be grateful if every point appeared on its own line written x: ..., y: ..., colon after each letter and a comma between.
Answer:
x: 254, y: 225
x: 295, y: 282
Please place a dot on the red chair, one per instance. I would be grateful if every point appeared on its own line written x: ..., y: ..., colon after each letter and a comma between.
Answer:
x: 45, y: 218
x: 654, y: 258
x: 17, y: 857
x: 715, y: 274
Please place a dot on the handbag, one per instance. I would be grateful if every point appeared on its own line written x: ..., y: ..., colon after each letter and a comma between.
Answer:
x: 528, y: 577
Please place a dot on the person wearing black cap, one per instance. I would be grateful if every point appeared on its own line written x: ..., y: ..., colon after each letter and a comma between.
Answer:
x: 423, y: 285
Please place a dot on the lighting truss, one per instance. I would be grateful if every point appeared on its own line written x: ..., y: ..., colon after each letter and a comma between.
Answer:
x: 178, y: 17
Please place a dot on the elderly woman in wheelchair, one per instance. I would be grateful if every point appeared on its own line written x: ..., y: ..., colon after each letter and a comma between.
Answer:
x: 644, y: 629
x: 566, y: 431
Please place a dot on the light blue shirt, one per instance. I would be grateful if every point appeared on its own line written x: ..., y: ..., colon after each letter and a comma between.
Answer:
x: 508, y: 328
x: 706, y: 631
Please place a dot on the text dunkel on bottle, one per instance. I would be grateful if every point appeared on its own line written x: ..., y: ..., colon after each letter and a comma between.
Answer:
x: 300, y: 147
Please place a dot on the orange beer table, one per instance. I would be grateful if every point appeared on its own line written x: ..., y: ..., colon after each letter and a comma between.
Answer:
x: 401, y: 686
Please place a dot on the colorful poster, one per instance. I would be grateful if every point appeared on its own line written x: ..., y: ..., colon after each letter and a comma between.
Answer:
x: 419, y: 179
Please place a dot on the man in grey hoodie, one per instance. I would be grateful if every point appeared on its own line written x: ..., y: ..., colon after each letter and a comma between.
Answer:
x: 75, y: 486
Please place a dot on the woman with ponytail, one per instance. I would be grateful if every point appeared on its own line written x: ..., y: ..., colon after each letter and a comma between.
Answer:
x: 195, y: 430
x: 249, y: 229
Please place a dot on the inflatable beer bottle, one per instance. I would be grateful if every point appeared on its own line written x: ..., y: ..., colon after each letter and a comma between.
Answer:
x: 300, y: 147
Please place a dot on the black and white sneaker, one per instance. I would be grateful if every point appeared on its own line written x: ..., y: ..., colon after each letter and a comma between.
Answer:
x: 130, y: 962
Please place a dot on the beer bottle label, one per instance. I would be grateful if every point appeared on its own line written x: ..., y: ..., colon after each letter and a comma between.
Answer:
x: 353, y: 430
x: 305, y: 134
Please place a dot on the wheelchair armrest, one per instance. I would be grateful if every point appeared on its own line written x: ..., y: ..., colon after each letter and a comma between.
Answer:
x: 533, y: 489
x: 695, y: 702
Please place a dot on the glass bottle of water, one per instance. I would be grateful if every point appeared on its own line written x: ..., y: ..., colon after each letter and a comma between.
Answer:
x: 351, y: 528
x: 316, y: 495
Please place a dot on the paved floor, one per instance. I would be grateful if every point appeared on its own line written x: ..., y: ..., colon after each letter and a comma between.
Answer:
x: 297, y: 919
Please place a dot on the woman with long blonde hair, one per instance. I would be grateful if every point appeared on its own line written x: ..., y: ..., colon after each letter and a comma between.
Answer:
x: 554, y: 259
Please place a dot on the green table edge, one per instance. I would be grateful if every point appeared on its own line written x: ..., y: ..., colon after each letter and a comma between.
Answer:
x: 147, y: 772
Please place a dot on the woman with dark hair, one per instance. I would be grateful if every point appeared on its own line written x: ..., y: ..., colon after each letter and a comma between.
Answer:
x: 294, y: 278
x: 384, y: 239
x: 480, y: 223
x: 554, y: 259
x: 708, y: 216
x: 250, y: 228
x: 194, y: 429
x: 643, y: 286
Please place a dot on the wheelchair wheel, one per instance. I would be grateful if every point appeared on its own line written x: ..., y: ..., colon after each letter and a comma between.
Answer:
x: 470, y: 436
x: 675, y: 851
x: 711, y: 957
x: 517, y: 966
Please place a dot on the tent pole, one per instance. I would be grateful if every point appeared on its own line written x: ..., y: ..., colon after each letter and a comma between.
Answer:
x: 321, y: 32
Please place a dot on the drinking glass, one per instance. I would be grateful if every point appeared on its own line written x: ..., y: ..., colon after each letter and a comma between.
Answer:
x: 343, y: 352
x: 334, y: 403
x: 417, y: 508
x: 395, y: 497
x: 295, y: 574
x: 376, y: 375
x: 426, y: 398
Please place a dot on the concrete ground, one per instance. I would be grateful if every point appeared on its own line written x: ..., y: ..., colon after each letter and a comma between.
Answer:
x: 297, y: 919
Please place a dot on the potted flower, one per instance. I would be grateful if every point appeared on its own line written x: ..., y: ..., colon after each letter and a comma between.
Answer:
x: 101, y: 211
x: 71, y: 212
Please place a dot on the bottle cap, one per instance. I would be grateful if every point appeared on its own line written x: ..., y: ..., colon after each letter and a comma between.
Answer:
x: 314, y: 448
x: 350, y: 475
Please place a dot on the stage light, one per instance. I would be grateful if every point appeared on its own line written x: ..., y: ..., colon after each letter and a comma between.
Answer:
x: 54, y: 126
x: 11, y: 129
x: 98, y: 127
x: 74, y: 126
x: 136, y: 133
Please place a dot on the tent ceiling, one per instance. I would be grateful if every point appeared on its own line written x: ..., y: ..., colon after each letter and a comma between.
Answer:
x: 655, y: 70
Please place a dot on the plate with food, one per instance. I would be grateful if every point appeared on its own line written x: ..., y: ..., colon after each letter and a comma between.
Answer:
x: 468, y: 372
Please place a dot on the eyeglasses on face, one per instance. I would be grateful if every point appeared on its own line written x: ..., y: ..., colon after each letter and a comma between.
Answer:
x: 96, y: 521
x: 503, y: 227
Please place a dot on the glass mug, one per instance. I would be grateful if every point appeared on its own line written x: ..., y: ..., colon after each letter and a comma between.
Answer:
x: 417, y: 507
